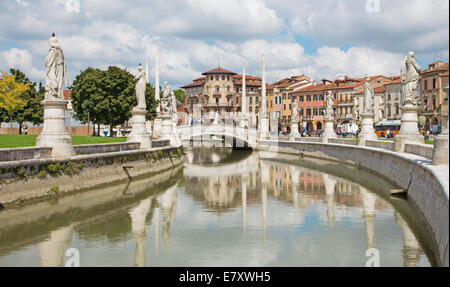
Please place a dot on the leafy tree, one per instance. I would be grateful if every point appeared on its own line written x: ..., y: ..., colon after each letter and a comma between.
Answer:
x: 108, y: 96
x: 33, y: 111
x: 11, y: 93
x: 179, y: 94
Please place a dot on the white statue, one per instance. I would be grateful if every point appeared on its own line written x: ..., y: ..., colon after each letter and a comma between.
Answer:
x: 368, y: 94
x: 55, y: 66
x: 294, y: 112
x: 141, y: 84
x: 329, y: 109
x: 167, y: 100
x: 410, y: 80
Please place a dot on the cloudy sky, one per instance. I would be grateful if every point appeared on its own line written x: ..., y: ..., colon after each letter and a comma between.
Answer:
x: 321, y: 38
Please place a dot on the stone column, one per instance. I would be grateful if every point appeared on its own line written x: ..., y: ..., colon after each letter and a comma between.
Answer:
x: 157, y: 123
x: 52, y: 250
x: 139, y: 131
x: 54, y: 133
x: 440, y: 149
x: 367, y: 130
x: 263, y: 118
x: 138, y: 215
x: 244, y: 109
x: 411, y: 247
x: 328, y: 132
x: 409, y: 130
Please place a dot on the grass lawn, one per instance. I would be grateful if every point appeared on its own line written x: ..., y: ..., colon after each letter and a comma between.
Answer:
x: 10, y: 141
x: 391, y: 140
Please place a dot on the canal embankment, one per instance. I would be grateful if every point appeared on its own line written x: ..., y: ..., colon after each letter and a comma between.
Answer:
x: 29, y: 180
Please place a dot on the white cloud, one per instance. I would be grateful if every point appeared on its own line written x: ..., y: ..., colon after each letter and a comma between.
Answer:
x: 19, y: 59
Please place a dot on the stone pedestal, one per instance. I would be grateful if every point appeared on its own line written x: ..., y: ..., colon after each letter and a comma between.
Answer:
x: 409, y: 131
x: 367, y: 130
x: 139, y: 131
x: 294, y: 132
x: 244, y: 121
x: 263, y: 127
x: 440, y: 150
x: 157, y: 127
x: 54, y: 133
x: 167, y: 131
x: 328, y: 132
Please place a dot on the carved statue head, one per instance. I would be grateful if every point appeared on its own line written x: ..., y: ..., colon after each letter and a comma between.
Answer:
x: 411, y: 54
x: 140, y: 67
x: 367, y: 80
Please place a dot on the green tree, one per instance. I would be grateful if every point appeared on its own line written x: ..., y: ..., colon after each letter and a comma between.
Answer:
x: 179, y: 94
x: 33, y: 111
x: 108, y: 96
x: 11, y: 94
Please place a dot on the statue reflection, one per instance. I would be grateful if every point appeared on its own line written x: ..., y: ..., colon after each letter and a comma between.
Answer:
x: 368, y: 204
x: 330, y: 184
x: 138, y: 216
x: 168, y: 201
x: 244, y: 182
x: 411, y: 247
x: 52, y: 251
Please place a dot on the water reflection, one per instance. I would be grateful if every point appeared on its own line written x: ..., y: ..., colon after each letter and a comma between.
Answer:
x: 225, y: 208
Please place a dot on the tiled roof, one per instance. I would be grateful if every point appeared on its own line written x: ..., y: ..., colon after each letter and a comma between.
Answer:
x: 445, y: 74
x: 195, y: 84
x: 442, y: 67
x: 379, y: 90
x: 219, y: 71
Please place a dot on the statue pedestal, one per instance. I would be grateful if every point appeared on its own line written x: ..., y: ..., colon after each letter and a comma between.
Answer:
x: 440, y: 149
x: 139, y: 131
x: 294, y: 132
x: 167, y: 130
x: 263, y: 127
x: 244, y: 121
x: 409, y: 131
x: 328, y: 132
x: 157, y: 127
x: 367, y: 130
x: 54, y: 133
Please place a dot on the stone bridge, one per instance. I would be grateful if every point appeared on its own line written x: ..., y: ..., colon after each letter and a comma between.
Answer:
x: 218, y: 135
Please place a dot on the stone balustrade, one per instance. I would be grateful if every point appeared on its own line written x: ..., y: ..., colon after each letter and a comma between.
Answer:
x: 24, y: 153
x: 423, y: 150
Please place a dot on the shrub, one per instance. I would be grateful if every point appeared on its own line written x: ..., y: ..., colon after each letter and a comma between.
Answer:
x: 42, y: 174
x: 54, y: 190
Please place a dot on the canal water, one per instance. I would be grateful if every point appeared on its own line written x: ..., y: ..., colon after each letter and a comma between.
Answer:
x: 223, y: 208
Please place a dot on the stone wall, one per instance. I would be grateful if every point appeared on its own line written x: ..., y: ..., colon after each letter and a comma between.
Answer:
x: 351, y: 141
x: 420, y: 149
x: 35, y: 179
x: 427, y: 186
x: 389, y: 145
x: 23, y: 153
x: 104, y: 148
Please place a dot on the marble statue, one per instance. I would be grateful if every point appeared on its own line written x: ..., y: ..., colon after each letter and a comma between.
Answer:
x: 167, y: 100
x: 410, y: 80
x: 141, y: 84
x: 368, y: 94
x: 329, y: 109
x: 294, y: 112
x: 56, y: 71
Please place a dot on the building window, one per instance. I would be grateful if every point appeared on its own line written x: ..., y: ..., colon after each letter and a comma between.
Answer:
x: 217, y: 100
x: 434, y: 83
x: 389, y: 97
x: 425, y: 84
x: 276, y: 100
x: 217, y: 78
x: 290, y: 107
x: 321, y: 97
x: 308, y: 112
x: 315, y: 111
x: 294, y: 98
x: 315, y: 97
x: 308, y: 98
x: 217, y: 88
x: 223, y: 78
x: 228, y: 88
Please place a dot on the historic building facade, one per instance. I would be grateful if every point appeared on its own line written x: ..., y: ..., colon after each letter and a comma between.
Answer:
x: 220, y: 91
x: 432, y: 94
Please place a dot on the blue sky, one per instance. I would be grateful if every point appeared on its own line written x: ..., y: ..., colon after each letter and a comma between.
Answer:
x: 322, y: 38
